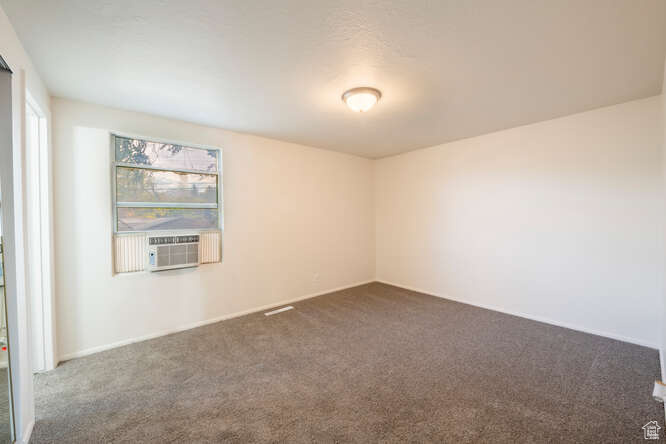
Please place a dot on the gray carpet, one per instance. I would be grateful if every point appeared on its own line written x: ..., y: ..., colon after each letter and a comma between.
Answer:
x: 5, y: 418
x: 370, y: 364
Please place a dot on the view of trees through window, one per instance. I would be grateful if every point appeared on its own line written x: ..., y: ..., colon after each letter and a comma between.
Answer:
x: 161, y: 186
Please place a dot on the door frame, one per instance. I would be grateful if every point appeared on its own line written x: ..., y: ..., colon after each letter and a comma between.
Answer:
x: 11, y: 272
x: 43, y: 230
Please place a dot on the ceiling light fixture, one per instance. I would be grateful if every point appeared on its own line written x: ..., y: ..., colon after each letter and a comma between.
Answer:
x: 361, y: 99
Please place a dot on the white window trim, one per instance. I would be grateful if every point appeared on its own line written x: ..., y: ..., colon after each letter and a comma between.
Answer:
x: 115, y: 203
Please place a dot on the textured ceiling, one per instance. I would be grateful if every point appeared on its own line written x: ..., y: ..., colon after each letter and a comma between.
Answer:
x: 447, y: 69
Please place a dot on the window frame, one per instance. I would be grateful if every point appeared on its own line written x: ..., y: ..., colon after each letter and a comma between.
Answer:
x: 219, y: 205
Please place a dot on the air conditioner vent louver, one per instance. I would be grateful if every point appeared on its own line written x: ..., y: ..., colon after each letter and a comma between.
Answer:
x: 167, y: 252
x: 165, y: 240
x: 193, y: 253
x: 163, y: 257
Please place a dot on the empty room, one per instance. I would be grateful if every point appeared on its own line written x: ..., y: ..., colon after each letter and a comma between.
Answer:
x: 332, y: 221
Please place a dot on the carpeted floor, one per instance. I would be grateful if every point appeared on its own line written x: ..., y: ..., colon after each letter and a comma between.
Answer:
x: 370, y: 364
x: 5, y: 418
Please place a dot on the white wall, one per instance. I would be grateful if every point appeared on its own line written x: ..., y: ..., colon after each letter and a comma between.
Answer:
x: 561, y: 221
x: 13, y: 183
x: 291, y: 213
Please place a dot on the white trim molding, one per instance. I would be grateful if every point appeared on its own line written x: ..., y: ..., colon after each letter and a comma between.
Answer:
x: 39, y: 220
x: 529, y: 316
x: 189, y: 326
x: 27, y: 433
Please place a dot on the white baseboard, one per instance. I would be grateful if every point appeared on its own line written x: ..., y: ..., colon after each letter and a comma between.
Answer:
x: 100, y: 348
x: 532, y: 317
x: 27, y: 432
x: 189, y: 326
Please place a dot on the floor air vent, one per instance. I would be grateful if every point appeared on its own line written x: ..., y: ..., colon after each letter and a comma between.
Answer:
x: 279, y: 310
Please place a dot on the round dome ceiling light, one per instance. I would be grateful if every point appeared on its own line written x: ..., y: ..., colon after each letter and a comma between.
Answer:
x: 361, y: 99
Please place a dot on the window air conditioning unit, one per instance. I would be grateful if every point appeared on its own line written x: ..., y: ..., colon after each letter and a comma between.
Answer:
x: 170, y: 251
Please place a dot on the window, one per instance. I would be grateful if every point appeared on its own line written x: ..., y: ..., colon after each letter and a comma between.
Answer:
x: 164, y: 186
